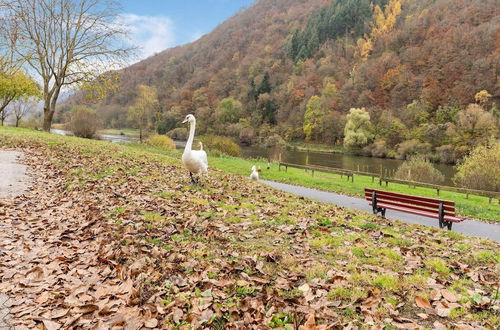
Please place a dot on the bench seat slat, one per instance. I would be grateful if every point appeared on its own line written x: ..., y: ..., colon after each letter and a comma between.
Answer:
x: 420, y: 198
x: 418, y: 212
x: 406, y: 200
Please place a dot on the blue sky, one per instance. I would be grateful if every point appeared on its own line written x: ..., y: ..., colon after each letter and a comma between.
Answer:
x: 156, y: 25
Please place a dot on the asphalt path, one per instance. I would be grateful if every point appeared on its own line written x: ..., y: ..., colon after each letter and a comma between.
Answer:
x: 467, y: 227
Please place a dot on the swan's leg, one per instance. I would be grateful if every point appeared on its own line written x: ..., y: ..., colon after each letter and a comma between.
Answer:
x: 193, y: 181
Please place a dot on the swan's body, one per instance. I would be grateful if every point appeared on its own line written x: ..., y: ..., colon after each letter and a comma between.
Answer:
x: 195, y: 161
x: 255, y: 175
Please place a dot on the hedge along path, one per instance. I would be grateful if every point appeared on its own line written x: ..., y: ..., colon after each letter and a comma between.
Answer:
x: 111, y: 236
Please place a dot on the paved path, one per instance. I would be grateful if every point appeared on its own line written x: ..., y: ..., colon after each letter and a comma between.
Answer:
x: 468, y: 227
x: 13, y: 182
x: 13, y: 178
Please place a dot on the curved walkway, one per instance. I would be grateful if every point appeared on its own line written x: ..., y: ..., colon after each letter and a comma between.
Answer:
x: 13, y: 182
x: 467, y: 227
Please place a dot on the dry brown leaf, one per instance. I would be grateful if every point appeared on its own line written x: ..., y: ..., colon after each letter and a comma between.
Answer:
x: 151, y: 323
x: 310, y: 323
x: 51, y: 325
x: 448, y: 295
x: 422, y: 302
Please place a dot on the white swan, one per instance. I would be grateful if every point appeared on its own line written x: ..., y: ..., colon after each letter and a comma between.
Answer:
x: 194, y: 160
x: 255, y: 175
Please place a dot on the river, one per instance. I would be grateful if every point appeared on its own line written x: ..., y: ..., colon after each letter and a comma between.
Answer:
x: 337, y: 160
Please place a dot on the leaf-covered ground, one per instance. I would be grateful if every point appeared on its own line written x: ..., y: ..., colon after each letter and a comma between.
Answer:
x: 114, y: 237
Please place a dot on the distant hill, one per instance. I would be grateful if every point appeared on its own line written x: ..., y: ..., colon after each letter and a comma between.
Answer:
x: 274, y: 56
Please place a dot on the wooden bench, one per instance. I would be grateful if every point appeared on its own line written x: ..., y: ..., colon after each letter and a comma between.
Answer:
x: 442, y: 210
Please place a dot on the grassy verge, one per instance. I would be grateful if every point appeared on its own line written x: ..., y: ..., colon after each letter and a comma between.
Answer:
x: 227, y: 253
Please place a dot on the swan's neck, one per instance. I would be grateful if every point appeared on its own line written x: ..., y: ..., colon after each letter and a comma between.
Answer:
x: 189, y: 143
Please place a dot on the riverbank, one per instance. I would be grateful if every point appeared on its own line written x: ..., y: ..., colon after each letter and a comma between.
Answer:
x: 153, y: 251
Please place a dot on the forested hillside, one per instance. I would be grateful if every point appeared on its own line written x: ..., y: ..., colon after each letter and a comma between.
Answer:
x: 425, y: 72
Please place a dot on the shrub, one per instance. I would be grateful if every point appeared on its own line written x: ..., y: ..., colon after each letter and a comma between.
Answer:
x: 274, y: 141
x: 419, y: 169
x: 446, y: 154
x: 376, y: 149
x: 83, y: 122
x: 480, y: 169
x: 222, y: 144
x: 179, y: 133
x: 412, y: 147
x: 160, y: 141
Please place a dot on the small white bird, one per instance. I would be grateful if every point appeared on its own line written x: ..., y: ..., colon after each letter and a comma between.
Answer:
x: 255, y: 175
x: 194, y: 160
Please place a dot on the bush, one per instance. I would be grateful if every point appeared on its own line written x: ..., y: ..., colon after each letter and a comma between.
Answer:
x: 481, y: 169
x: 419, y: 169
x: 160, y: 141
x: 179, y: 133
x: 412, y: 147
x: 222, y: 144
x: 446, y: 154
x: 376, y: 149
x: 274, y: 141
x: 83, y: 122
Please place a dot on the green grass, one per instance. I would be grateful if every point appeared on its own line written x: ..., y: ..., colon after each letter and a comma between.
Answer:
x: 477, y: 207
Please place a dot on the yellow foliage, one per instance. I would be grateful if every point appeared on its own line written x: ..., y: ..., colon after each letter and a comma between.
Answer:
x: 384, y: 22
x: 482, y: 97
x: 389, y: 78
x: 161, y: 141
x: 365, y: 46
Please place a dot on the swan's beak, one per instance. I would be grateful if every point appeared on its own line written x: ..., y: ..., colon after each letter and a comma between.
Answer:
x: 184, y: 121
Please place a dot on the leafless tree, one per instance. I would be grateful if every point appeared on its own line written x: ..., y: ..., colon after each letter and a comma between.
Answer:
x: 21, y: 108
x: 4, y: 114
x: 65, y: 42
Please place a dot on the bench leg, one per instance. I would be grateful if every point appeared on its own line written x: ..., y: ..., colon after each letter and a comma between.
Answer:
x: 449, y: 224
x: 379, y: 209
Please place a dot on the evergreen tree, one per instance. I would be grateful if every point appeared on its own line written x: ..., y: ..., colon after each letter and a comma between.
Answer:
x: 265, y: 85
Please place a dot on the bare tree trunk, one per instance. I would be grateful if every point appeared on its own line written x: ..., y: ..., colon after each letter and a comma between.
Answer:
x: 47, y: 120
x: 18, y: 119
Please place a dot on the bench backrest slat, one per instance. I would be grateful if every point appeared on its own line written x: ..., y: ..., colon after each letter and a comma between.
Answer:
x: 418, y: 203
x: 399, y: 200
x: 381, y: 194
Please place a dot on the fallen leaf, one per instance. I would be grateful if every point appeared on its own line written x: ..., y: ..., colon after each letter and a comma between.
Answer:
x: 422, y: 302
x: 304, y: 287
x: 51, y: 325
x: 448, y: 295
x: 151, y: 323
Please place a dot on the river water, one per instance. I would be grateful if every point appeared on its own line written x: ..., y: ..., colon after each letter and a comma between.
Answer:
x: 339, y: 160
x: 336, y: 160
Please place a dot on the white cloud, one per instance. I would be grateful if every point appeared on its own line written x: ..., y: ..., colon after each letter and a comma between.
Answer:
x: 195, y: 36
x: 151, y: 34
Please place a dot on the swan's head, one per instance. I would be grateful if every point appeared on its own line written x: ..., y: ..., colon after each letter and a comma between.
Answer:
x: 189, y: 119
x: 253, y: 168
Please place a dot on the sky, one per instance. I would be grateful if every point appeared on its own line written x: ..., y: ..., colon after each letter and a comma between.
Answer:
x: 156, y: 25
